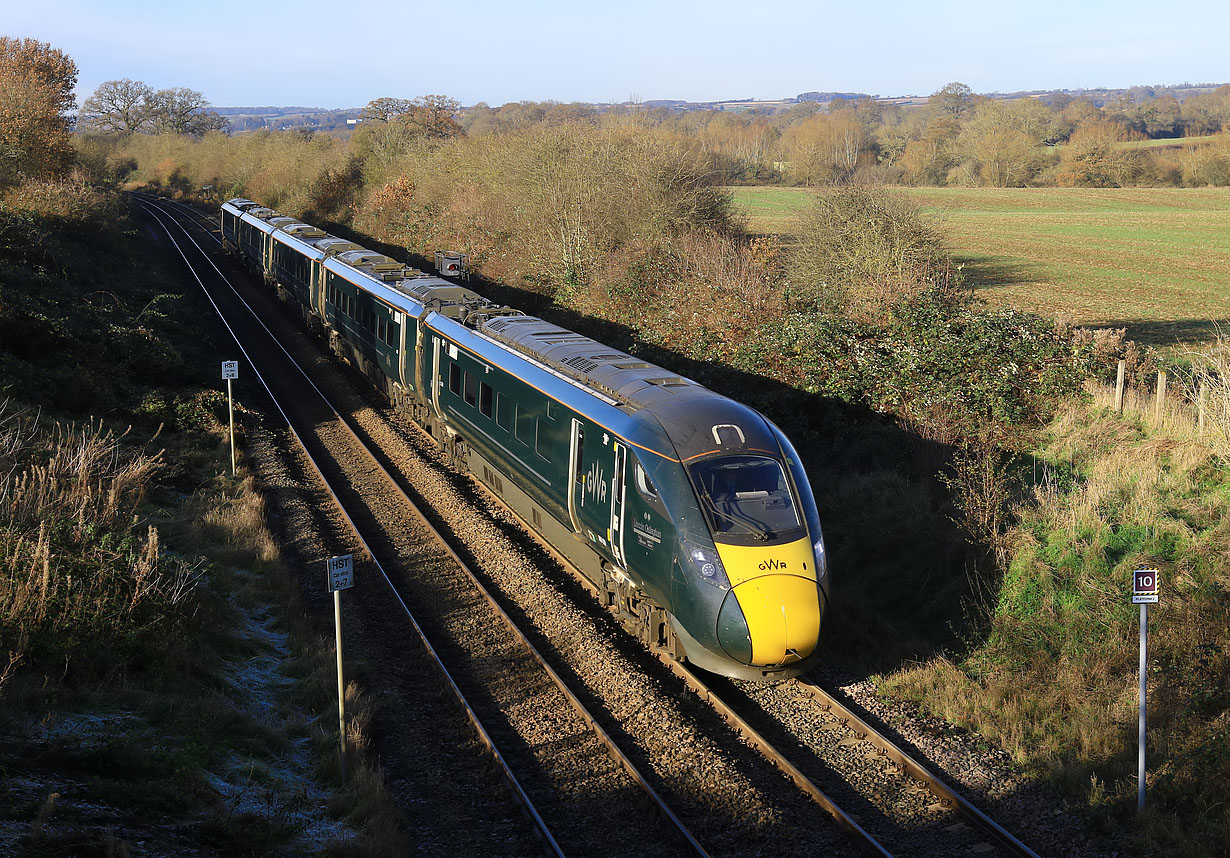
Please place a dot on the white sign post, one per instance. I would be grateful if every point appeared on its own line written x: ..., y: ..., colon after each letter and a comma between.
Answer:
x: 230, y: 370
x: 1144, y: 593
x: 341, y: 577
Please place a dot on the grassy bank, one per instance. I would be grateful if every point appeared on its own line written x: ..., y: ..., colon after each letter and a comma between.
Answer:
x: 1152, y: 259
x: 1054, y: 679
x: 155, y: 695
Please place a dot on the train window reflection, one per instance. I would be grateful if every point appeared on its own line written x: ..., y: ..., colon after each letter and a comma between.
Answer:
x: 746, y: 496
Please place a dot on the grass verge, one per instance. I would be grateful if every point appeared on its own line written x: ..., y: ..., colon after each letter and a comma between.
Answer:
x: 1054, y: 680
x: 157, y: 697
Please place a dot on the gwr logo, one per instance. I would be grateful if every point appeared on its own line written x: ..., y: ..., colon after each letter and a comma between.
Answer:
x: 773, y: 565
x: 596, y: 483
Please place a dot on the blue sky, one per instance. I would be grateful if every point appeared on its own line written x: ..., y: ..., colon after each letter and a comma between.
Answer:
x: 344, y: 54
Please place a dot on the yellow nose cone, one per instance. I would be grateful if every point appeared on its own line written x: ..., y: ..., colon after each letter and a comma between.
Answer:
x: 783, y: 617
x: 776, y: 589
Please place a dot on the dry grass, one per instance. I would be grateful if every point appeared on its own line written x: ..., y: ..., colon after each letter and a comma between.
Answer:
x: 68, y: 502
x: 73, y: 199
x: 1054, y: 681
x: 229, y: 525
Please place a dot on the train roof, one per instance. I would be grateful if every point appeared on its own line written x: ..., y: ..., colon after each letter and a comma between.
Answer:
x: 620, y: 376
x: 698, y: 421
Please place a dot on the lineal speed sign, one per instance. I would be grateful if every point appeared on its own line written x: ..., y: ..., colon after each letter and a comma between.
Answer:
x: 1145, y: 587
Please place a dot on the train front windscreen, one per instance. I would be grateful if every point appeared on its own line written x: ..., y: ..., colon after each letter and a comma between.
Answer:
x: 747, y: 499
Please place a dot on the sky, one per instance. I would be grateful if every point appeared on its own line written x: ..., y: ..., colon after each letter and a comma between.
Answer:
x: 344, y: 54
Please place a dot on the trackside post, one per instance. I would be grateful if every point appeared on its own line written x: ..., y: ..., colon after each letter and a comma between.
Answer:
x: 1144, y: 593
x: 341, y: 577
x: 230, y: 370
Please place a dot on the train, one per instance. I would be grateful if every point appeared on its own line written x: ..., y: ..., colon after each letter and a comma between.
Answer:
x: 688, y: 513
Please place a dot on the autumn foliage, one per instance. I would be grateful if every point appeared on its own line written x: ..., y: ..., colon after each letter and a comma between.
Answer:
x: 36, y: 88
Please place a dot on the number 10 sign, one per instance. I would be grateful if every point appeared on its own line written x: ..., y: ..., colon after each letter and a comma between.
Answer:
x: 1144, y: 587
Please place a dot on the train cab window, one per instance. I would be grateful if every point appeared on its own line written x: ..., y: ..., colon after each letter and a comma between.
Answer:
x: 485, y: 397
x: 644, y: 485
x: 503, y: 412
x: 454, y: 379
x: 471, y: 389
x: 746, y: 496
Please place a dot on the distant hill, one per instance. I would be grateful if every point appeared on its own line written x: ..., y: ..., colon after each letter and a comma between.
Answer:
x: 245, y: 119
x: 242, y: 119
x: 825, y: 97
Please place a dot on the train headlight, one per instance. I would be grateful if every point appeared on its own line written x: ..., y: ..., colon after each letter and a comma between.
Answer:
x: 708, y: 566
x: 822, y: 562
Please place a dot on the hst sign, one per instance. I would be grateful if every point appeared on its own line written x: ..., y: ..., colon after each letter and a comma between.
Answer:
x: 341, y: 572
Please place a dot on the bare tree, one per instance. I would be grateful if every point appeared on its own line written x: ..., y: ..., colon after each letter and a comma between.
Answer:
x: 118, y: 107
x: 183, y: 111
x: 427, y: 115
x: 386, y: 109
x: 132, y: 106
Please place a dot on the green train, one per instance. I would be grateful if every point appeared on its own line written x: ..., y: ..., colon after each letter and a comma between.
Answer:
x: 686, y: 511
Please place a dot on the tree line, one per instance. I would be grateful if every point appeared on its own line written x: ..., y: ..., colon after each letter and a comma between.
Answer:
x: 956, y: 138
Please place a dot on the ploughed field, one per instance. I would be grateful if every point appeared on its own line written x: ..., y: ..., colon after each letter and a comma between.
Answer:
x: 1156, y: 260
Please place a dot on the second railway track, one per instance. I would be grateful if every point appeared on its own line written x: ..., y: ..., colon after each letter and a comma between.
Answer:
x: 726, y: 795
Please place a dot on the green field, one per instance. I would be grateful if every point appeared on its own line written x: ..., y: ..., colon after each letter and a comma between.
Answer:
x: 1156, y: 260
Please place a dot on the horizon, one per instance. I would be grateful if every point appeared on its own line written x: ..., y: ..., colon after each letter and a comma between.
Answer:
x: 768, y: 100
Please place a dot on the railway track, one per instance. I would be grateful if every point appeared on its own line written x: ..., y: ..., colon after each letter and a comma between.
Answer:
x: 571, y: 743
x: 835, y: 759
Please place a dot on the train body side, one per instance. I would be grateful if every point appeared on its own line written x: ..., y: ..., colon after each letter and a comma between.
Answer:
x: 595, y: 472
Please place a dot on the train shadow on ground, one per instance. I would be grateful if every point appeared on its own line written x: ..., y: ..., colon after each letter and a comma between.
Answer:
x: 907, y: 582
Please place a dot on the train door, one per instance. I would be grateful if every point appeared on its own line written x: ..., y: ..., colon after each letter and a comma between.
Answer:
x: 617, y: 504
x: 404, y: 339
x: 316, y: 281
x: 576, y: 473
x: 437, y: 376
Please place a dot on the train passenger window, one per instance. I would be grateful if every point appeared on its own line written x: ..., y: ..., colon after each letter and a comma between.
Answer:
x: 393, y: 329
x: 525, y: 426
x: 485, y: 396
x: 644, y: 485
x: 471, y: 389
x: 503, y: 412
x: 542, y: 440
x: 454, y: 379
x: 550, y: 409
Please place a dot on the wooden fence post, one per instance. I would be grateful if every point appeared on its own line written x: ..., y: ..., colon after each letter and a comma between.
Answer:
x: 1161, y: 396
x: 1119, y: 387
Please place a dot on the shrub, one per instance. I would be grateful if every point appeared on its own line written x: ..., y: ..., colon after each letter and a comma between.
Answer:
x: 861, y: 248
